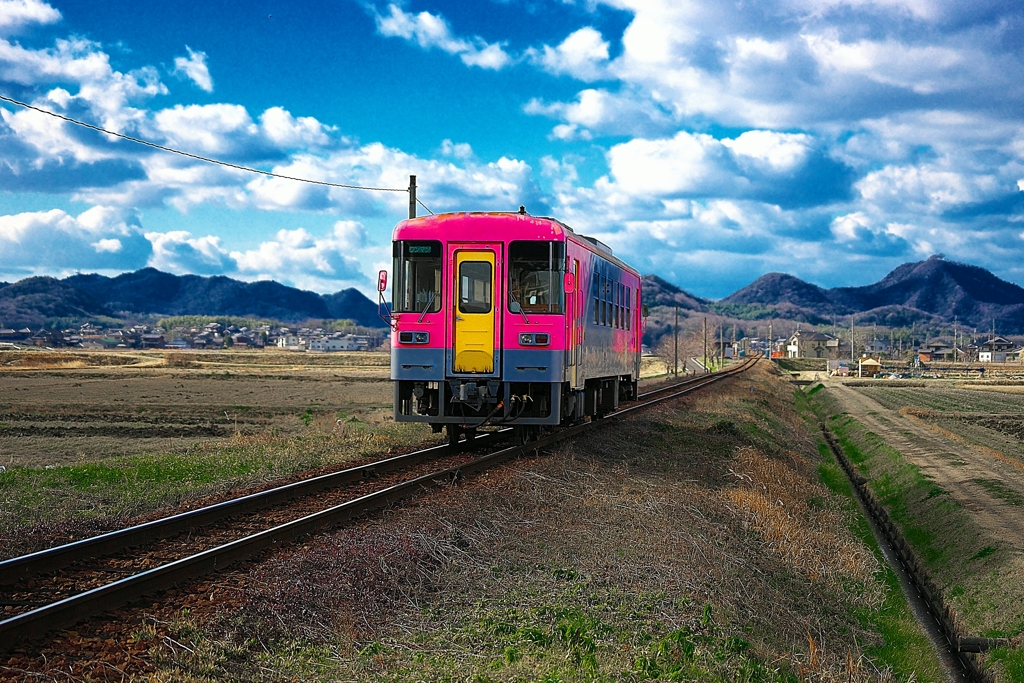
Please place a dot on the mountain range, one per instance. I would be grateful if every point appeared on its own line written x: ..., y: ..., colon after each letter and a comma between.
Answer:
x: 932, y: 292
x: 37, y: 301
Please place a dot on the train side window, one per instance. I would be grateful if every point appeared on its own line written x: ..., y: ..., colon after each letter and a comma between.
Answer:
x: 597, y: 297
x: 610, y: 322
x: 608, y: 291
x: 619, y: 308
x: 604, y: 301
x: 474, y: 287
x: 626, y: 307
x: 417, y: 269
x: 629, y: 309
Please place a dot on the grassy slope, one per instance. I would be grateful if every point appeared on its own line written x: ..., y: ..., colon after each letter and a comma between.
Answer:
x: 979, y: 578
x: 691, y: 542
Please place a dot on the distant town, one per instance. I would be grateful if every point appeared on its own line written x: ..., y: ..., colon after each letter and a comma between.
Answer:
x: 211, y: 335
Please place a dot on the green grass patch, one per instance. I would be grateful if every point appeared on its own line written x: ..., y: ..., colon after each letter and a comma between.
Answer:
x: 134, y: 484
x: 1012, y: 660
x: 984, y: 552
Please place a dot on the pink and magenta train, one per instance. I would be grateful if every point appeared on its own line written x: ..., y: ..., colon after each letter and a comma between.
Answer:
x: 509, y: 319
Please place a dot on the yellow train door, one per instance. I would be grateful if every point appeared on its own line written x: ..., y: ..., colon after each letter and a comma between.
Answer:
x: 473, y: 332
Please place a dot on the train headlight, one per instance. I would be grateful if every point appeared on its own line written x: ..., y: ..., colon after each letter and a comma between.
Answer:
x: 534, y: 339
x: 413, y: 337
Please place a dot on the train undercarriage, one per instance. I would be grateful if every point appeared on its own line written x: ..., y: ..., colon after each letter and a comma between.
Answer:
x: 462, y: 406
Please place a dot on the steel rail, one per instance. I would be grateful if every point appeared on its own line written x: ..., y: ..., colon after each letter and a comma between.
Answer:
x: 71, y: 610
x: 58, y: 557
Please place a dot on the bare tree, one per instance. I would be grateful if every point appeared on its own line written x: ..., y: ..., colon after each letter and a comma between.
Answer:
x: 691, y: 345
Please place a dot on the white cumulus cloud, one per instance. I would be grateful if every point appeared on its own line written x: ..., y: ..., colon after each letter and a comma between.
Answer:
x: 179, y: 252
x: 432, y: 31
x: 583, y: 55
x: 194, y: 68
x: 17, y: 13
x: 55, y: 241
x: 298, y: 256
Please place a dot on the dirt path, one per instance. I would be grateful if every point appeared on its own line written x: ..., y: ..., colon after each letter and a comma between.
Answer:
x: 956, y: 467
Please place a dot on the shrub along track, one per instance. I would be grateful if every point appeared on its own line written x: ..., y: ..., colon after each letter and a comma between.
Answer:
x: 87, y: 590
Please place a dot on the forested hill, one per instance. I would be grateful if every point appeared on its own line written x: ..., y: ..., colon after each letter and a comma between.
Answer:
x: 35, y: 301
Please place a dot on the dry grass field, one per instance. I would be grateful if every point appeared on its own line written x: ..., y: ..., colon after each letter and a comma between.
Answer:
x: 92, y: 438
x: 705, y: 540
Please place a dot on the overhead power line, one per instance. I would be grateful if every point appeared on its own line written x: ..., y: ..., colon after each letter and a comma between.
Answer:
x: 202, y: 158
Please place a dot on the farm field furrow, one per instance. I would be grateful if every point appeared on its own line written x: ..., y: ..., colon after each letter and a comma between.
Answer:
x: 946, y: 462
x: 955, y: 465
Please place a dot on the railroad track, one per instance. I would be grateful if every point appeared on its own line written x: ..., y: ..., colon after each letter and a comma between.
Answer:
x: 58, y: 587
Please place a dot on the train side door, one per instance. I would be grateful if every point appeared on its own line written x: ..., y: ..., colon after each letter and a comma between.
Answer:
x: 574, y: 304
x: 473, y: 348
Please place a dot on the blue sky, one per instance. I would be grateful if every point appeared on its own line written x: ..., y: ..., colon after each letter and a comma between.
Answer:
x: 708, y: 142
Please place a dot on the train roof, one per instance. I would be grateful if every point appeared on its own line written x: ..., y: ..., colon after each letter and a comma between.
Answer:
x: 507, y: 225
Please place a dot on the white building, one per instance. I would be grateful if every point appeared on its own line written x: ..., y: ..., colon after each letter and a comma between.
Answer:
x: 291, y: 342
x: 326, y: 344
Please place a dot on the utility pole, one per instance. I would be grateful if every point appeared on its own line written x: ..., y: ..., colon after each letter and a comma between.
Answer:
x: 675, y: 344
x: 412, y: 196
x: 705, y: 344
x: 853, y: 338
x: 721, y: 343
x: 955, y: 330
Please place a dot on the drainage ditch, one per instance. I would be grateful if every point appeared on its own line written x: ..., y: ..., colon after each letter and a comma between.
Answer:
x: 957, y: 651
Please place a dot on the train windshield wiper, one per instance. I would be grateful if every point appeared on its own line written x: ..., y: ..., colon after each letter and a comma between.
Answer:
x: 519, y: 305
x: 426, y: 306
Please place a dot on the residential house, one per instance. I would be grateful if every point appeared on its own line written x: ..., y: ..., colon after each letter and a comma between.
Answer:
x: 877, y: 347
x: 936, y: 350
x: 998, y: 350
x: 811, y: 344
x: 14, y: 336
x: 291, y: 342
x: 152, y: 340
x: 47, y: 338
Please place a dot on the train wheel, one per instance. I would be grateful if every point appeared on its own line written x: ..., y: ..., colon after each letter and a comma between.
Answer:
x: 452, y: 434
x: 524, y: 434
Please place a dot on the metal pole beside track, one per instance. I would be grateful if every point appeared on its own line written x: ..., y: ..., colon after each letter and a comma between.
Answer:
x: 412, y: 196
x: 675, y: 344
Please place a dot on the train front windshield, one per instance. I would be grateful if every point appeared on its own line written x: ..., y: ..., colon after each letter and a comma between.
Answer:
x: 417, y: 286
x: 535, y: 276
